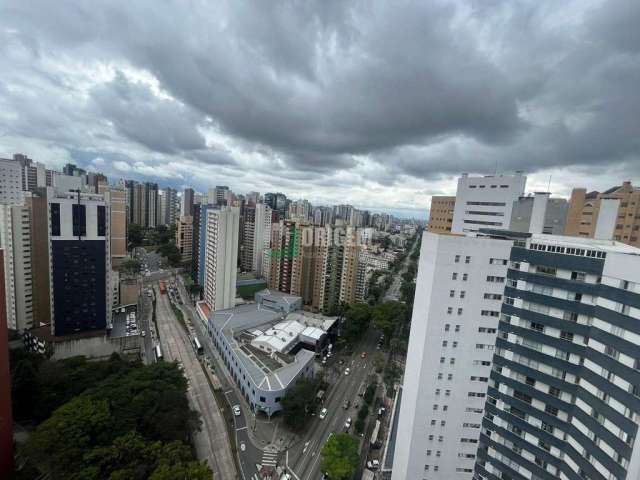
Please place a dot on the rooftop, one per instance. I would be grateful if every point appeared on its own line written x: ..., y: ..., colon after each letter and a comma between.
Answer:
x: 266, y: 339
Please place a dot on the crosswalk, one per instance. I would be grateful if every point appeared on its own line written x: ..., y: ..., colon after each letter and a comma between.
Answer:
x: 269, y: 459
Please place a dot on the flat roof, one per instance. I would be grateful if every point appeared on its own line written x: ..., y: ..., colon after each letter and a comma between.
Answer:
x: 593, y: 243
x: 244, y: 324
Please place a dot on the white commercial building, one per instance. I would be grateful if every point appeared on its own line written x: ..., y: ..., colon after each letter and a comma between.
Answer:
x: 261, y: 239
x: 221, y: 257
x: 10, y: 182
x: 453, y: 330
x: 486, y: 202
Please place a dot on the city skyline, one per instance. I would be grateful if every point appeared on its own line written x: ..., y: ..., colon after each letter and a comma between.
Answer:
x: 336, y: 116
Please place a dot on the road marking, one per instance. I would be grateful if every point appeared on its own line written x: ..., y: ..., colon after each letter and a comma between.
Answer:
x: 241, y: 428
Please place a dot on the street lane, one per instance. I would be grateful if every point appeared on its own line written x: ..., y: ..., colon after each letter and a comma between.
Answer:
x: 211, y: 442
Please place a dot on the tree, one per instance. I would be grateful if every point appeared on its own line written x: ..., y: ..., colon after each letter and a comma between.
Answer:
x: 356, y: 320
x: 388, y: 316
x: 378, y: 362
x: 171, y: 252
x: 131, y: 267
x: 363, y: 412
x: 369, y: 394
x: 340, y: 456
x: 299, y: 404
x: 135, y: 235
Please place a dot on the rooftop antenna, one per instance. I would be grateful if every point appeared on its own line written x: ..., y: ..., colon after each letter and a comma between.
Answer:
x: 549, y: 185
x: 496, y: 172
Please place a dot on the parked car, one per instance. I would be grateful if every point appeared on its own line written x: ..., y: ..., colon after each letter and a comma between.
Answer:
x: 373, y: 464
x: 236, y: 410
x: 363, y: 355
x: 323, y: 413
x: 347, y: 371
x: 347, y: 424
x: 346, y: 404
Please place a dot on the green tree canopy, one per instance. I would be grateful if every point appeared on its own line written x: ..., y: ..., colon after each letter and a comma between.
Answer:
x: 340, y: 456
x: 299, y: 404
x: 356, y: 320
x: 388, y: 316
x: 130, y: 266
x: 135, y: 235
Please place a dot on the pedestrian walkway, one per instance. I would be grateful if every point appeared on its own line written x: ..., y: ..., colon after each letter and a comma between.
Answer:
x: 269, y: 459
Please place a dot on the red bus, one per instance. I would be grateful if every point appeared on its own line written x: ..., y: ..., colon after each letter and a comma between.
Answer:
x: 163, y: 289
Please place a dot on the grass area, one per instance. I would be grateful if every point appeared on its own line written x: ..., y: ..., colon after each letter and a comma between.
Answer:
x: 248, y: 291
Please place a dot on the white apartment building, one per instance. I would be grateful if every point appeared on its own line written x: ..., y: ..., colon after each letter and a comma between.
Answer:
x: 261, y: 238
x: 486, y: 202
x: 453, y: 331
x: 221, y: 257
x: 10, y: 182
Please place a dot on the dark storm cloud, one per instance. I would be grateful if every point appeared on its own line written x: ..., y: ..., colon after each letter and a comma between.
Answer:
x: 160, y: 124
x: 388, y: 89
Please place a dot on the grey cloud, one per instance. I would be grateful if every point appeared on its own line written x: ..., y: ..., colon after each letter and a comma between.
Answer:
x: 162, y: 125
x: 425, y: 89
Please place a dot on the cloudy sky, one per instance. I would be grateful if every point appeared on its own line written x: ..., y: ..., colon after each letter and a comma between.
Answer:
x: 380, y: 104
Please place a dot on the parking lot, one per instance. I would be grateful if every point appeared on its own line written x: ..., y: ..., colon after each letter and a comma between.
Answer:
x: 125, y: 322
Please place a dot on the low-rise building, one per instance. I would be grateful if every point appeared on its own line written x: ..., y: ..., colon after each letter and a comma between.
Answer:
x: 267, y: 345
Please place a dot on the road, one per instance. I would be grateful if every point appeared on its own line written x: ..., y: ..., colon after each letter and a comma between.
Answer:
x: 393, y: 293
x: 303, y: 459
x: 211, y: 442
x: 252, y: 455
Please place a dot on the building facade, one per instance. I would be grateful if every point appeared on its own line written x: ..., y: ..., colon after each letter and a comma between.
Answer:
x: 6, y: 420
x: 453, y: 330
x: 564, y: 391
x: 221, y: 257
x: 539, y: 213
x: 585, y: 213
x: 80, y: 264
x: 10, y: 182
x: 184, y: 237
x: 441, y: 214
x: 486, y: 202
x: 186, y: 202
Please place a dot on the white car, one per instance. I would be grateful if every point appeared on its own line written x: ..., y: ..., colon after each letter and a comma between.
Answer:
x: 347, y: 424
x: 347, y: 371
x: 323, y: 413
x: 236, y: 410
x: 373, y: 464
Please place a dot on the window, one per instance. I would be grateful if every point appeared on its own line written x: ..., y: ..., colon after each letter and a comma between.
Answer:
x: 543, y: 270
x: 578, y: 276
x: 462, y: 294
x: 454, y: 276
x: 457, y: 328
x: 566, y: 336
x: 446, y: 327
x: 612, y: 352
x: 452, y: 361
x: 428, y: 453
x: 79, y: 217
x: 55, y: 219
x: 449, y: 310
x: 450, y: 376
x: 492, y: 296
x: 457, y: 259
x: 441, y: 359
x: 444, y: 343
x: 445, y: 408
x: 551, y: 410
x: 102, y: 221
x: 467, y: 259
x: 455, y: 344
x: 465, y: 277
x: 452, y: 293
x: 440, y: 376
x: 433, y: 423
x: 489, y: 313
x: 430, y: 437
x: 459, y: 311
x: 435, y: 406
x: 554, y: 391
x: 494, y: 279
x: 537, y: 326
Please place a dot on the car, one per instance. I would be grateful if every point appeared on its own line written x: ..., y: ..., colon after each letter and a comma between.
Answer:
x: 324, y: 361
x: 347, y: 371
x: 347, y: 423
x: 363, y: 355
x: 373, y: 464
x: 323, y: 413
x: 381, y: 411
x: 346, y: 404
x: 143, y: 333
x: 236, y: 410
x: 243, y: 447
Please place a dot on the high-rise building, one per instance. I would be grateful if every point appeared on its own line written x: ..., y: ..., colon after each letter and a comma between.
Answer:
x: 221, y: 257
x: 441, y: 214
x: 186, y: 202
x: 6, y: 420
x: 40, y: 274
x: 10, y: 182
x: 284, y: 248
x: 256, y: 225
x: 586, y: 212
x: 184, y: 237
x: 351, y: 281
x: 486, y: 202
x: 115, y: 197
x: 152, y: 205
x: 539, y: 213
x: 169, y: 207
x: 453, y: 329
x: 564, y: 391
x: 278, y: 203
x: 253, y: 198
x: 299, y: 210
x: 218, y: 195
x: 33, y: 173
x: 80, y: 263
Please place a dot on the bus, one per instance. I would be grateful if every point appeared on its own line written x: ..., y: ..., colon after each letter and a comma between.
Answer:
x: 374, y: 435
x: 158, y: 352
x: 163, y: 288
x: 196, y: 345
